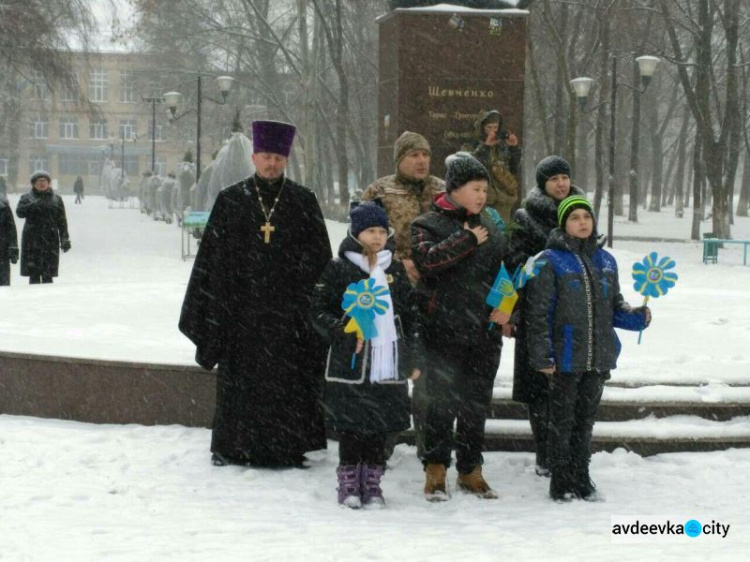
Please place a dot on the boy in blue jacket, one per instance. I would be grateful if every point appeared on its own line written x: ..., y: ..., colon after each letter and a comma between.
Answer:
x: 573, y: 306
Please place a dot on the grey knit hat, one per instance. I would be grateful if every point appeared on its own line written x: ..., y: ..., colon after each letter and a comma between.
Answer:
x: 40, y: 174
x: 461, y: 168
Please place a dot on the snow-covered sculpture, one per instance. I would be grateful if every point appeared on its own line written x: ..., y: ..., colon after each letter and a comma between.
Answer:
x: 232, y: 164
x: 164, y: 198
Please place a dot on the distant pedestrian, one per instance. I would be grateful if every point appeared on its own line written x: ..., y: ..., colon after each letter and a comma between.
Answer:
x: 45, y: 231
x: 8, y: 241
x: 78, y: 190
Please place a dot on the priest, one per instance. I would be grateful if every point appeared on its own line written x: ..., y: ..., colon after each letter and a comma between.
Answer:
x: 246, y: 309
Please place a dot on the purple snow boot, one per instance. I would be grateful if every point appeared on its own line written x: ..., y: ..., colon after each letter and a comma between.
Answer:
x: 349, y: 487
x: 372, y: 494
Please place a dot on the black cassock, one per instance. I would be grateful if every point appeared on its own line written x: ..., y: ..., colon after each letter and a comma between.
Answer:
x: 246, y: 308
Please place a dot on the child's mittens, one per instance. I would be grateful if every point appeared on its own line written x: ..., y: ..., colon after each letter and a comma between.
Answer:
x: 646, y: 312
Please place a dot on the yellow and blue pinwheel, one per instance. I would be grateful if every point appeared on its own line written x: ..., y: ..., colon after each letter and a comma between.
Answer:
x: 651, y: 276
x: 361, y: 302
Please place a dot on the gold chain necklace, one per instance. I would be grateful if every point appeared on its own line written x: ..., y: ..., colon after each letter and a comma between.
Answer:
x: 267, y: 229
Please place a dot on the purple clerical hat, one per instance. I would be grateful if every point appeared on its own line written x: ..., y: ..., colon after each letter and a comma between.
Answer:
x: 273, y: 136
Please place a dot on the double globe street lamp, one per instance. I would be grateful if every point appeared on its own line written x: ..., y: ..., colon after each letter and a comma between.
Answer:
x: 582, y: 86
x: 172, y: 101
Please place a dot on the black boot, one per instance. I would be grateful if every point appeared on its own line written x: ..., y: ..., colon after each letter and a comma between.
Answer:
x: 584, y: 486
x: 561, y: 486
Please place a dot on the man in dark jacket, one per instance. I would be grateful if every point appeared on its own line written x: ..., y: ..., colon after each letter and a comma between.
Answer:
x: 8, y: 241
x: 45, y: 231
x: 78, y: 190
x: 247, y: 309
x: 458, y: 251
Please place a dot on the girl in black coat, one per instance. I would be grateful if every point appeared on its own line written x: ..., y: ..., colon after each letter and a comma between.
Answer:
x: 45, y: 231
x: 366, y: 395
x: 458, y: 251
x: 533, y: 223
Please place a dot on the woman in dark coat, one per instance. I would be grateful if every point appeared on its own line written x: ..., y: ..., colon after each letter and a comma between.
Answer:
x: 534, y: 221
x: 8, y: 241
x: 366, y: 395
x: 45, y: 231
x: 78, y: 189
x: 458, y: 251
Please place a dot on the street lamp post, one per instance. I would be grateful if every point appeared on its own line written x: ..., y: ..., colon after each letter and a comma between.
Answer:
x: 153, y: 100
x: 172, y: 100
x: 646, y: 67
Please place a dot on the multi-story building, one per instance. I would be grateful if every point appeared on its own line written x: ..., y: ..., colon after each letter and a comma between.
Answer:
x: 68, y: 138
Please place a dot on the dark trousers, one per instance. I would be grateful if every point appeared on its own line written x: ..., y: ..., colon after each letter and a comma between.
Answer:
x: 362, y: 448
x: 79, y: 197
x: 4, y: 272
x: 539, y: 419
x: 459, y: 386
x: 573, y: 403
x: 37, y: 277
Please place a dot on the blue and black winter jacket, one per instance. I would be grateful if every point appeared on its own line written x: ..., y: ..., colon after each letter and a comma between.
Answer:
x: 573, y: 306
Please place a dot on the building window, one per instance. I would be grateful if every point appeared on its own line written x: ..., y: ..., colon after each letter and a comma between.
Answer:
x: 95, y: 168
x: 161, y: 133
x: 68, y: 128
x: 128, y: 128
x: 69, y: 93
x: 98, y: 129
x: 98, y: 85
x: 161, y: 167
x: 4, y: 167
x: 73, y: 164
x: 37, y: 162
x: 127, y: 86
x: 39, y: 127
x: 38, y: 86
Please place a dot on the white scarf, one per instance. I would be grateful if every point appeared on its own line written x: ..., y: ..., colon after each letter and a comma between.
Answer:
x: 384, y: 350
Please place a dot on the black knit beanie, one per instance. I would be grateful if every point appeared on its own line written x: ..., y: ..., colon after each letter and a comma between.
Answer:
x: 550, y: 166
x: 461, y: 168
x: 366, y: 215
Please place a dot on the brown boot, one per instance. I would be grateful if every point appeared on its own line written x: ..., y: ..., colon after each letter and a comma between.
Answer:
x: 434, y: 484
x: 474, y: 483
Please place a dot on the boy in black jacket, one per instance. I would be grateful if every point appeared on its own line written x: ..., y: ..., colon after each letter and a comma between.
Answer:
x: 458, y: 251
x: 572, y: 308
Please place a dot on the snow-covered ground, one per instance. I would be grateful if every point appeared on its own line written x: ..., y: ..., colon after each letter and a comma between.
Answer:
x: 87, y: 492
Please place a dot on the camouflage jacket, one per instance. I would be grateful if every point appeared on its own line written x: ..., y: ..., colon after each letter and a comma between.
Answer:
x: 502, y: 163
x: 404, y: 200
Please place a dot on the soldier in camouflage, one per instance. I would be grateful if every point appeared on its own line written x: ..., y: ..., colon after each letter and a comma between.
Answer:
x: 408, y: 193
x: 499, y: 152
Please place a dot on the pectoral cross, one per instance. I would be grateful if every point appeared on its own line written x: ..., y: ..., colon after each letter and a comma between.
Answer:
x: 267, y: 229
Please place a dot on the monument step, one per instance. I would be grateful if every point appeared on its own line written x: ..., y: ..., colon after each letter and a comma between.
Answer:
x: 712, y: 402
x: 645, y: 437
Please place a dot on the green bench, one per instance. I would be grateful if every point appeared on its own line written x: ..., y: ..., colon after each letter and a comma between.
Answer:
x: 711, y: 245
